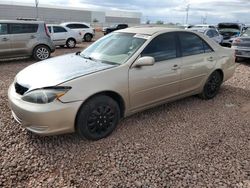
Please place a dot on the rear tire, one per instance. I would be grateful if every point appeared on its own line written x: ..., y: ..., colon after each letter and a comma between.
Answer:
x: 70, y: 43
x: 88, y: 37
x: 212, y: 86
x: 97, y: 118
x: 41, y: 52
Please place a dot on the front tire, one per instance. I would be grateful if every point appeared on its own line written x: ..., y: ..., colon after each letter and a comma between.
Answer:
x: 41, y: 52
x: 212, y: 86
x: 97, y: 118
x: 70, y: 43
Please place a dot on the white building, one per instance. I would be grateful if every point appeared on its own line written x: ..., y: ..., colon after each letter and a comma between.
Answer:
x: 58, y: 14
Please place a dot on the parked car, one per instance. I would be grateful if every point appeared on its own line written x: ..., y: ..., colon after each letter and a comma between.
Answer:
x: 125, y: 72
x: 201, y: 26
x: 241, y: 45
x: 211, y: 33
x: 62, y: 36
x: 230, y: 31
x: 25, y: 38
x: 114, y: 28
x: 87, y: 32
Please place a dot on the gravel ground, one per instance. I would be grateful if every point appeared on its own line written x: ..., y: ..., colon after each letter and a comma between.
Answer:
x: 188, y: 143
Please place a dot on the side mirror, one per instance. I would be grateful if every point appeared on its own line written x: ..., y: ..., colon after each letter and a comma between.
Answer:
x: 144, y: 61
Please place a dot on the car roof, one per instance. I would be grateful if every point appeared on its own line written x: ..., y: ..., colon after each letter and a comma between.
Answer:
x: 148, y: 30
x: 199, y: 29
x: 54, y: 25
x: 21, y: 21
x: 65, y: 23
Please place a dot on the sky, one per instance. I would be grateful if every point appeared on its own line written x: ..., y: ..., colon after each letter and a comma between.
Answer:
x: 210, y: 11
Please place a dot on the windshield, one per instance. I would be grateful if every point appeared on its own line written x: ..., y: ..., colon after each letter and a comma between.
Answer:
x: 115, y: 48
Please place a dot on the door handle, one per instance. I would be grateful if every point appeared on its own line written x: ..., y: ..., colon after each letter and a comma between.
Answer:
x: 32, y: 36
x: 210, y: 58
x: 175, y: 67
x: 5, y: 39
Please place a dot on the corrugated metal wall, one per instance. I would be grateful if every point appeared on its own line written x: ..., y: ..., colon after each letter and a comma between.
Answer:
x: 58, y: 15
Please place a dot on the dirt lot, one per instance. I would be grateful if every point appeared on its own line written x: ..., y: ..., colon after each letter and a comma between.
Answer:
x: 188, y: 143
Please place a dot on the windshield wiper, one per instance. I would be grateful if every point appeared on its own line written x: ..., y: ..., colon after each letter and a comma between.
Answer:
x: 88, y: 57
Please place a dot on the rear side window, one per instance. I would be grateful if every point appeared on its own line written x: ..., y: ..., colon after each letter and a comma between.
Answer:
x: 163, y: 47
x: 77, y: 26
x: 191, y: 44
x: 3, y: 29
x: 23, y: 28
x: 210, y: 34
x: 215, y: 33
x: 58, y: 29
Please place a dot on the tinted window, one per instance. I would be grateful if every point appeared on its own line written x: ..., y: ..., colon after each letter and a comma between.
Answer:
x: 122, y: 26
x: 215, y: 33
x: 207, y: 48
x: 23, y: 28
x: 49, y: 28
x: 191, y: 44
x: 162, y: 47
x: 77, y: 26
x: 210, y: 34
x: 3, y: 29
x: 58, y: 29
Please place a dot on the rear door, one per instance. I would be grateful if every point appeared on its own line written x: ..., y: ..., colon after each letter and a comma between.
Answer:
x: 59, y: 35
x: 23, y: 38
x: 198, y: 59
x: 5, y: 48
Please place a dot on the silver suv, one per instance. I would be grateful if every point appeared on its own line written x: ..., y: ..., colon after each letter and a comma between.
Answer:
x: 25, y: 38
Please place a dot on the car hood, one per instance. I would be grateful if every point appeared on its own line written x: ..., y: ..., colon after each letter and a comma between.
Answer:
x: 57, y: 70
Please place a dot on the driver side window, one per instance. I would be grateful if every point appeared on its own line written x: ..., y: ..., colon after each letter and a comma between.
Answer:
x: 162, y: 47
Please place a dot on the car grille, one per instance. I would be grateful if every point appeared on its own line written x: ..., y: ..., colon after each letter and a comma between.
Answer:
x: 20, y: 89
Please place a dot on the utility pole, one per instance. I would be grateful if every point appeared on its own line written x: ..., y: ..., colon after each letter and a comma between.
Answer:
x: 187, y: 10
x: 37, y: 2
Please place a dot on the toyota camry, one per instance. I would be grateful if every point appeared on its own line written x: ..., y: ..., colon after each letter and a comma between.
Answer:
x: 122, y: 73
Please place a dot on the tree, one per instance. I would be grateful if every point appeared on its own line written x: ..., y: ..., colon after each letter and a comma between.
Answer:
x: 159, y: 22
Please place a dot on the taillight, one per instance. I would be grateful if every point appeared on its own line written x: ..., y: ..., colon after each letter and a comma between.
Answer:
x: 46, y: 30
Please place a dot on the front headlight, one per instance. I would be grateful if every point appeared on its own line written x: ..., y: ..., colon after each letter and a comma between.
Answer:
x: 45, y: 95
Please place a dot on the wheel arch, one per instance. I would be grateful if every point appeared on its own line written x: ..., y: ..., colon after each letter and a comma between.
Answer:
x: 40, y: 45
x: 88, y: 34
x: 112, y: 94
x: 221, y: 73
x: 71, y: 38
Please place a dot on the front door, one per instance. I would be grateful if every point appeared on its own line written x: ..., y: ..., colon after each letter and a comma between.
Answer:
x: 149, y: 85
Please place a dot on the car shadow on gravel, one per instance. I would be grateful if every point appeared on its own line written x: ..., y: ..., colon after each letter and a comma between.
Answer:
x: 244, y: 61
x: 13, y: 61
x: 225, y: 99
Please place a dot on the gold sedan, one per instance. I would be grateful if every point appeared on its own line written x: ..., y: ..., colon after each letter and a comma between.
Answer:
x: 122, y: 73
